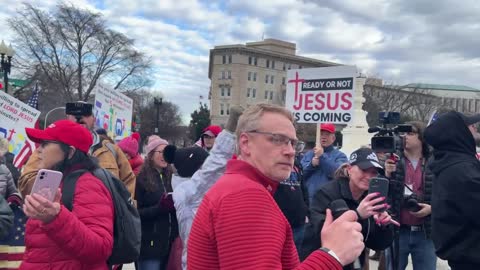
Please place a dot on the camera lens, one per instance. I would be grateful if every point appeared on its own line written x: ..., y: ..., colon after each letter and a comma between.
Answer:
x: 41, y: 177
x: 43, y: 173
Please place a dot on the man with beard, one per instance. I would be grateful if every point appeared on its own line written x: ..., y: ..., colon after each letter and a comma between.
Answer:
x: 456, y: 193
x: 109, y: 155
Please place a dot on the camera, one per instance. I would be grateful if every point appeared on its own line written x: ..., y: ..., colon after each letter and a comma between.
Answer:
x: 388, y: 140
x: 79, y: 109
x: 410, y: 202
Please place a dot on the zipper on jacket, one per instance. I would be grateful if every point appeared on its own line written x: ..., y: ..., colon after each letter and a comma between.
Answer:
x: 169, y: 214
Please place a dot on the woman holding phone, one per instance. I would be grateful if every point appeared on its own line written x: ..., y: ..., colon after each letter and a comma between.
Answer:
x: 57, y: 238
x: 155, y: 205
x: 351, y: 185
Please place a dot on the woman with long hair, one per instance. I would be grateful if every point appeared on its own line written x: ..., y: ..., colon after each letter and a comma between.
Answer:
x: 351, y: 185
x: 153, y: 193
x: 57, y: 238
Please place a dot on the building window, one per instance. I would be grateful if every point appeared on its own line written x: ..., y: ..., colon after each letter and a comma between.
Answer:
x: 249, y: 60
x: 248, y: 92
x: 254, y: 76
x: 271, y: 95
x: 268, y: 63
x: 229, y: 74
x: 254, y: 93
x: 273, y: 64
x: 223, y: 75
x: 222, y: 92
x: 284, y: 66
x: 230, y: 59
x: 249, y: 75
x: 289, y: 66
x: 228, y: 91
x: 228, y: 108
x: 470, y: 105
x: 222, y: 107
x: 255, y: 61
x: 266, y: 78
x: 283, y: 80
x: 224, y: 59
x: 272, y: 79
x: 266, y: 94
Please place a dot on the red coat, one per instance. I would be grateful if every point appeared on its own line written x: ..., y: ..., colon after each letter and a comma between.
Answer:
x: 77, y: 240
x: 136, y: 164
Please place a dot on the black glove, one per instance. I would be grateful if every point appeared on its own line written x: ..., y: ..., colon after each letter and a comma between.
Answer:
x: 235, y: 113
x: 166, y: 203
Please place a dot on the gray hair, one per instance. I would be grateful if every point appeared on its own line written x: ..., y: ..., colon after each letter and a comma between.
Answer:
x: 3, y: 146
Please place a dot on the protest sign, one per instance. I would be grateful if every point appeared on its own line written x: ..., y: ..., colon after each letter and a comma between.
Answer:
x: 321, y: 95
x: 15, y: 116
x: 113, y: 112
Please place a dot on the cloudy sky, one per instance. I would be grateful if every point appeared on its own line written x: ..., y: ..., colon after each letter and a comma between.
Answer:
x: 400, y: 41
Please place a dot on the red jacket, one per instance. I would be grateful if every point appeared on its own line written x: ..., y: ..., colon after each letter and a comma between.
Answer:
x: 77, y: 240
x: 136, y: 164
x: 239, y: 226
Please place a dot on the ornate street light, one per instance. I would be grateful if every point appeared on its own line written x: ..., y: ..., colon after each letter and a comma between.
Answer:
x: 6, y: 54
x: 157, y: 100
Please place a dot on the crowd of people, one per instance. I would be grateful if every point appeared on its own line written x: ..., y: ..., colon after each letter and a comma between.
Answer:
x: 249, y: 196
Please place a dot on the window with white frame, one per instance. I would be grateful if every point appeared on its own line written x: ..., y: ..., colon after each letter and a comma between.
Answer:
x: 283, y: 80
x: 248, y: 92
x: 222, y: 91
x: 272, y: 79
x: 228, y: 108
x: 268, y: 63
x: 229, y: 91
x: 229, y: 74
x: 249, y: 75
x: 273, y: 64
x: 254, y: 93
x: 266, y: 78
x: 254, y: 76
x: 266, y: 94
x: 224, y: 59
x: 230, y: 59
x: 222, y: 109
x: 271, y: 95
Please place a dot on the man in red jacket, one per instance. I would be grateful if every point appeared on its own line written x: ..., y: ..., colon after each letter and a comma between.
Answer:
x: 238, y: 224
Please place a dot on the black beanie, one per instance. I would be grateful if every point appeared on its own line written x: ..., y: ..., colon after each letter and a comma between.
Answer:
x: 186, y: 160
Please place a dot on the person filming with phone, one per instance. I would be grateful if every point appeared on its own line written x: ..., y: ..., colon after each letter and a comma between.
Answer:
x: 411, y: 199
x: 57, y: 238
x: 351, y: 186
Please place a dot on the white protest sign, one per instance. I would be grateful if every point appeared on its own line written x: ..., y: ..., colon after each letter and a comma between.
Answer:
x: 15, y: 116
x: 321, y: 95
x: 113, y: 112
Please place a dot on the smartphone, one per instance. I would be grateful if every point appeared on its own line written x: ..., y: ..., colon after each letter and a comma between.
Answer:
x: 47, y: 183
x: 379, y: 185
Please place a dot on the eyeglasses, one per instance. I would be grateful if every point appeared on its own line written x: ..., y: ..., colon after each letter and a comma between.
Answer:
x: 157, y: 152
x: 277, y: 139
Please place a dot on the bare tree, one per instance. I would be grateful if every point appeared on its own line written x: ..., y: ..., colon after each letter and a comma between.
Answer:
x: 70, y: 51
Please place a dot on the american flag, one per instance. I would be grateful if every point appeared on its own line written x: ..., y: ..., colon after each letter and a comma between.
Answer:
x: 13, y: 246
x: 27, y: 150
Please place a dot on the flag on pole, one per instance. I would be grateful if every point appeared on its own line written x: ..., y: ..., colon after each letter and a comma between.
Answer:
x: 12, y: 247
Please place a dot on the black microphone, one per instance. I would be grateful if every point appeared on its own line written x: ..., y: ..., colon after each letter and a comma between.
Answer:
x: 339, y: 207
x: 374, y: 129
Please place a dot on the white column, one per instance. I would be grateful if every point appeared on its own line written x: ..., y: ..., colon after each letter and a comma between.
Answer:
x: 356, y: 134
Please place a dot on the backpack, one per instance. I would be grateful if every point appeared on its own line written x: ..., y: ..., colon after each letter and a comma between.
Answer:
x: 126, y: 227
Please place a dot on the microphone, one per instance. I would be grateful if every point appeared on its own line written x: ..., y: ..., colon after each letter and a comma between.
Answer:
x: 339, y: 207
x: 374, y: 129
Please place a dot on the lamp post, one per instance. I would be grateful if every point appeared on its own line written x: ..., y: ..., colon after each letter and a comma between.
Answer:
x: 6, y: 54
x: 157, y: 100
x: 46, y: 116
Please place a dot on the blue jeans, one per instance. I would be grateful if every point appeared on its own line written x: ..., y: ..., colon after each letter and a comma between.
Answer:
x: 152, y: 264
x: 421, y: 248
x: 298, y: 233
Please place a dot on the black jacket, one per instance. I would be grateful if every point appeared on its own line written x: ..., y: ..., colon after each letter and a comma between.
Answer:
x: 159, y: 227
x: 456, y: 193
x: 292, y: 198
x: 376, y: 237
x: 396, y: 191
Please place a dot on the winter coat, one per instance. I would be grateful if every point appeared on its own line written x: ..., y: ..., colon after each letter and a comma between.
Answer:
x: 117, y: 164
x: 159, y: 226
x: 456, y: 192
x: 188, y: 195
x: 136, y: 164
x: 78, y: 240
x: 376, y: 237
x: 6, y: 218
x: 7, y: 185
x: 317, y: 176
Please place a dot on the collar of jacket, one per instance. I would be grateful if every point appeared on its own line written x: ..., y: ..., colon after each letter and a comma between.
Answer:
x: 329, y: 148
x: 346, y: 192
x: 96, y: 140
x: 236, y: 166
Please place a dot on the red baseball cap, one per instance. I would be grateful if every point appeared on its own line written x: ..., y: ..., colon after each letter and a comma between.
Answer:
x: 212, y: 130
x: 64, y: 131
x: 328, y: 127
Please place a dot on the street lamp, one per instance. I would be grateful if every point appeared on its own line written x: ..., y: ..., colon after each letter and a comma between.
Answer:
x: 157, y: 100
x: 6, y: 63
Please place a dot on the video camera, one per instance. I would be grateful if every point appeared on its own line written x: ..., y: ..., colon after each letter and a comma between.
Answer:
x: 79, y: 109
x: 388, y: 140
